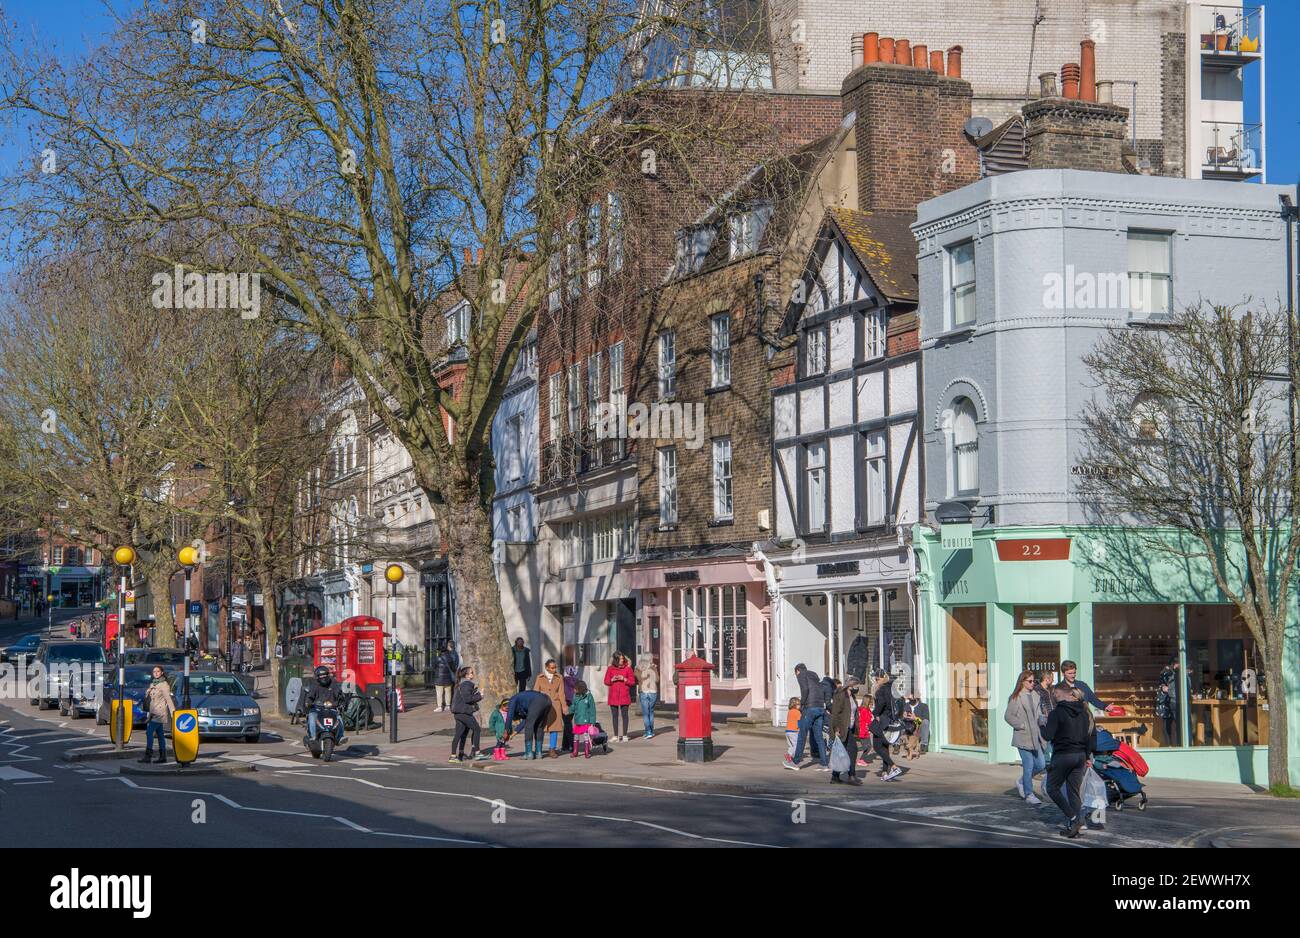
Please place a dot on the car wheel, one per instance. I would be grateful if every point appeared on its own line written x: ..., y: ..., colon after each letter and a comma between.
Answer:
x: 63, y: 711
x: 100, y: 719
x: 253, y: 738
x: 47, y: 704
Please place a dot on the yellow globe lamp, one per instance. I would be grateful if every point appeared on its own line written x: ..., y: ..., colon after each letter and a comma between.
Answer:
x: 394, y: 573
x: 188, y: 556
x: 124, y: 556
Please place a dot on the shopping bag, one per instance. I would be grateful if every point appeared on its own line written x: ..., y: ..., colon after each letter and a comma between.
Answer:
x: 1094, y: 791
x: 840, y: 757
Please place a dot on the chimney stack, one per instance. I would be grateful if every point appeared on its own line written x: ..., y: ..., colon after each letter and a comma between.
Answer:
x: 907, y: 117
x: 1067, y: 133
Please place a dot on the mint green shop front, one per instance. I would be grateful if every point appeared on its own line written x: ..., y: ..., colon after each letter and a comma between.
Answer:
x: 1121, y: 610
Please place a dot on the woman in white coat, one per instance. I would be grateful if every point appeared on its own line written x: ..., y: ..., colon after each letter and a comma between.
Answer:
x: 1022, y: 714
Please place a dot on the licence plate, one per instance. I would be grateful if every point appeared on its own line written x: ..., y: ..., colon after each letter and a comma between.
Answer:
x: 225, y: 722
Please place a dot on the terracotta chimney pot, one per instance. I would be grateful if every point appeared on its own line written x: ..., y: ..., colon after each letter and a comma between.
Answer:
x: 870, y: 48
x: 1088, y: 70
x: 886, y: 50
x: 1047, y: 85
x: 936, y: 61
x: 903, y: 52
x: 469, y: 257
x: 1070, y: 80
x: 954, y: 62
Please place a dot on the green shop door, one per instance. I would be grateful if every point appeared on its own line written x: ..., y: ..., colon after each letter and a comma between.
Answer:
x: 1035, y: 651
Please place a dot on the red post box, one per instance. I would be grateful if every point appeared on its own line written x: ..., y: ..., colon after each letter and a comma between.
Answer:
x: 695, y: 710
x: 354, y: 650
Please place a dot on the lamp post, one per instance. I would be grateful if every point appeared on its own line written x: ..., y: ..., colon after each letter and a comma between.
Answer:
x: 188, y: 557
x: 124, y: 557
x: 394, y: 574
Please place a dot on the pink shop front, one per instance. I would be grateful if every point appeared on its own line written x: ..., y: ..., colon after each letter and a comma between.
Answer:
x: 715, y: 609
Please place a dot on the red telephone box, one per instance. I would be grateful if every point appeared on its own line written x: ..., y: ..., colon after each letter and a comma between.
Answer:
x: 695, y: 710
x: 354, y: 650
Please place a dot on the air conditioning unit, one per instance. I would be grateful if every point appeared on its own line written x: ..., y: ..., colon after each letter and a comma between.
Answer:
x: 764, y: 520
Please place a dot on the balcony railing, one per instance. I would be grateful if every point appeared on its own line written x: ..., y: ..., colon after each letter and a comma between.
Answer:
x: 1230, y: 147
x: 576, y: 453
x: 1231, y: 30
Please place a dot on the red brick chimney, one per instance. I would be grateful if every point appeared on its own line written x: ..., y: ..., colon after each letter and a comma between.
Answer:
x: 909, y: 127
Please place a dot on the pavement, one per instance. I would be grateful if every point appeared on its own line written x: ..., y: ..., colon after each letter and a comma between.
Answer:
x: 376, y: 792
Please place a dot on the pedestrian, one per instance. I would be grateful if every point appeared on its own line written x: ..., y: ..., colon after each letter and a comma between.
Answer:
x: 533, y: 709
x: 920, y: 711
x: 1070, y: 680
x: 864, y: 731
x: 1167, y: 702
x: 445, y: 667
x: 1022, y: 716
x: 793, y: 713
x: 812, y: 703
x: 551, y: 684
x: 882, y: 718
x: 829, y: 686
x: 237, y: 656
x: 523, y: 662
x: 584, y: 718
x: 159, y: 705
x: 499, y: 728
x: 844, y: 727
x: 647, y: 682
x: 620, y: 679
x: 464, y: 709
x: 570, y: 682
x: 1072, y: 732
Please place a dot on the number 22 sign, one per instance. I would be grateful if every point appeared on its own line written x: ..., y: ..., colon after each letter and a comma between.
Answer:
x: 1047, y: 548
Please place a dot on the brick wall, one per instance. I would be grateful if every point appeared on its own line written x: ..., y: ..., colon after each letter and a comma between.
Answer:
x: 1066, y: 133
x: 909, y: 135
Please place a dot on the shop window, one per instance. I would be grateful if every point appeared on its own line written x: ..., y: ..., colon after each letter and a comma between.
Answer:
x: 712, y: 622
x: 1228, y: 702
x: 1131, y: 647
x: 968, y: 662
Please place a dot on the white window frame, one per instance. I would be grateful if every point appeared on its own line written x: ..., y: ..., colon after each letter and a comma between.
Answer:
x: 555, y: 405
x: 575, y: 397
x: 514, y: 447
x: 667, y: 485
x: 720, y: 350
x: 1150, y: 291
x: 816, y: 350
x: 723, y: 500
x: 875, y: 478
x: 817, y: 520
x: 965, y: 452
x: 555, y: 281
x: 593, y: 390
x: 961, y: 292
x: 875, y: 338
x: 573, y: 258
x: 617, y: 392
x: 614, y: 231
x: 667, y: 364
x: 595, y: 242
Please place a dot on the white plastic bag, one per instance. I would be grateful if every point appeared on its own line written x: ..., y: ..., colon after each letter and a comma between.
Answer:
x: 1094, y: 791
x: 839, y: 757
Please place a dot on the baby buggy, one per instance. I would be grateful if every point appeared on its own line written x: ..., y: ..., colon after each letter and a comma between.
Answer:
x: 599, y: 737
x: 1119, y: 767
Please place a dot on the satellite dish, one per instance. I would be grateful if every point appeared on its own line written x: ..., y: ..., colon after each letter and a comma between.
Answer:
x: 977, y: 127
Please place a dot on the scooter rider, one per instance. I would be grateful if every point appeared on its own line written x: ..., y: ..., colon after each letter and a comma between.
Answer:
x: 325, y: 693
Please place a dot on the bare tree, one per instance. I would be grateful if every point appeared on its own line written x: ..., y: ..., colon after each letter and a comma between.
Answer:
x: 345, y: 149
x: 1196, y: 448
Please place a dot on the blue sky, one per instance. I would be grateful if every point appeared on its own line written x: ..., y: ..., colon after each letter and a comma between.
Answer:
x: 73, y: 26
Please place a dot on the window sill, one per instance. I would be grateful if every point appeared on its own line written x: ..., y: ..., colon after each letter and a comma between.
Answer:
x: 722, y: 522
x: 957, y: 332
x: 718, y: 388
x: 667, y: 527
x: 1154, y: 320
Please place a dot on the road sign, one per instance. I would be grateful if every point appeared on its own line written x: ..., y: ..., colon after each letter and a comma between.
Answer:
x: 185, y: 736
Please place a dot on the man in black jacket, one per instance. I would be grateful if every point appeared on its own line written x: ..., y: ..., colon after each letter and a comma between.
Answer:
x: 812, y: 721
x: 324, y: 692
x: 1073, y: 735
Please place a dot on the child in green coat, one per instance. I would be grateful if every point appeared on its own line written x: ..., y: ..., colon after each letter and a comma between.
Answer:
x: 583, y: 709
x: 497, y: 726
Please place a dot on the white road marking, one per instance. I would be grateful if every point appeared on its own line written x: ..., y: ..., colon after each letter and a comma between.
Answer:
x: 9, y: 774
x: 879, y: 802
x: 40, y: 782
x: 231, y: 803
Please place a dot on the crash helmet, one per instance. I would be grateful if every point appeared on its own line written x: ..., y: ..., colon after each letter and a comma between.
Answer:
x: 323, y: 676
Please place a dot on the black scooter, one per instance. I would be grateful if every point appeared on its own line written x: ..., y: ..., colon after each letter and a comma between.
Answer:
x: 329, y: 732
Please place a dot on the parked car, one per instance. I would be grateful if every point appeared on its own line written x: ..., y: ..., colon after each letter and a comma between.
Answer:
x: 25, y: 646
x: 172, y: 659
x: 69, y: 668
x: 226, y: 707
x: 137, y: 682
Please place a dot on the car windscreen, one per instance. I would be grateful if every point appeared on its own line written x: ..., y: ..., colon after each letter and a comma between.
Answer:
x: 222, y: 685
x: 92, y: 653
x: 135, y: 680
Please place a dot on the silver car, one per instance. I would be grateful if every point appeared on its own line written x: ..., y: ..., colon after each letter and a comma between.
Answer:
x: 226, y: 708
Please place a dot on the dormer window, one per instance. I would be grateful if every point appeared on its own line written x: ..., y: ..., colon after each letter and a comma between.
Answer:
x: 814, y: 351
x: 693, y: 245
x: 746, y: 229
x: 457, y: 322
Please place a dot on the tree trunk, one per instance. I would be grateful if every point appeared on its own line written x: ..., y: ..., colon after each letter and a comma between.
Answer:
x: 271, y: 618
x: 1278, y: 751
x: 484, y: 644
x: 158, y: 583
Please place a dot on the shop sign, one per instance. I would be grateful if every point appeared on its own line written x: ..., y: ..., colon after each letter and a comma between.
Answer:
x: 682, y: 576
x: 1043, y: 548
x: 841, y: 568
x: 955, y: 536
x: 1040, y: 619
x: 1095, y: 472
